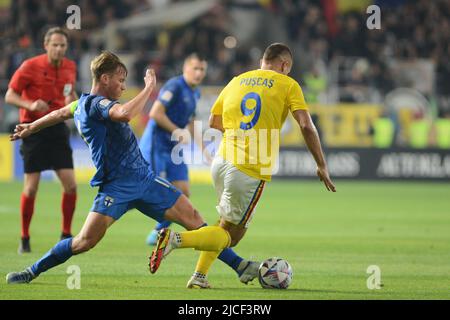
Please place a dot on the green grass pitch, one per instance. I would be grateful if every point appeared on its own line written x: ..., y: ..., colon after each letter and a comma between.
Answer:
x: 329, y: 239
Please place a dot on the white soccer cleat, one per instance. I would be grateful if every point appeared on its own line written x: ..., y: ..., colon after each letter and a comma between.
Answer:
x: 249, y: 271
x: 198, y: 282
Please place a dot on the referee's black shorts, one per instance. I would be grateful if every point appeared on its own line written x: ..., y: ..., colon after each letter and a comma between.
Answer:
x: 48, y: 149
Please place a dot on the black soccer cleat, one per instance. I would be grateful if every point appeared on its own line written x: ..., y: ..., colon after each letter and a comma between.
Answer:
x: 24, y: 246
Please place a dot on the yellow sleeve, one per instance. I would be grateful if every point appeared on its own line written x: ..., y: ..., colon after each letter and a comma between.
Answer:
x: 295, y: 98
x: 217, y: 108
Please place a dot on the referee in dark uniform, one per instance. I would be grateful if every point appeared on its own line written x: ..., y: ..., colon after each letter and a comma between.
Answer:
x: 41, y: 85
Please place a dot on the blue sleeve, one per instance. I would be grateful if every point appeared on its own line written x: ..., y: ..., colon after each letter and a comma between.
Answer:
x: 168, y: 93
x: 100, y: 108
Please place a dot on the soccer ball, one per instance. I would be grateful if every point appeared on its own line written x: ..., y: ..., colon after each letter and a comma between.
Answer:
x: 275, y: 273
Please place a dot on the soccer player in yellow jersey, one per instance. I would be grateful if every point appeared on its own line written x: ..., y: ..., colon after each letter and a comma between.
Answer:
x: 250, y: 112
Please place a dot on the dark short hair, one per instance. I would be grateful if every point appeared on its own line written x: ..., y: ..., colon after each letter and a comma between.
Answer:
x: 54, y: 30
x: 194, y: 55
x: 106, y: 63
x: 276, y: 51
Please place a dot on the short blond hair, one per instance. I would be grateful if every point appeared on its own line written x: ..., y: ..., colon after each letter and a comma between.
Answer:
x: 106, y: 63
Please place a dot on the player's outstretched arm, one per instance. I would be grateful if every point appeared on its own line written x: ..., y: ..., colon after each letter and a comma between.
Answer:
x: 126, y: 112
x: 312, y: 140
x: 24, y: 130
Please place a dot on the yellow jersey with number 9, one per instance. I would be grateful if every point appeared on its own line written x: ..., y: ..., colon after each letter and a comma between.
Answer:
x: 254, y: 106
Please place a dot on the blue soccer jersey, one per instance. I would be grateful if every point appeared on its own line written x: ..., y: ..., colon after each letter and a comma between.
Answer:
x: 113, y: 145
x: 124, y: 176
x: 180, y: 101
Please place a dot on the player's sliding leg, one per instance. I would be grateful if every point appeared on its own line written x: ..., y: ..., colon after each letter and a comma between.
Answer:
x: 209, y: 238
x: 199, y: 240
x: 30, y: 187
x: 243, y: 268
x: 92, y: 232
x: 69, y: 198
x: 180, y: 184
x: 181, y: 211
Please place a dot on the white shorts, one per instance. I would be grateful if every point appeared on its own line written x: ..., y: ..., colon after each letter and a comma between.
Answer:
x: 237, y: 193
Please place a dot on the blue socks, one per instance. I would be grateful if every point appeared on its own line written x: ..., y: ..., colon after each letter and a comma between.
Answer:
x: 230, y: 258
x: 59, y: 254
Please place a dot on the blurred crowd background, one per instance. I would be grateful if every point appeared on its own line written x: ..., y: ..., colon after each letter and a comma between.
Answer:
x: 366, y: 87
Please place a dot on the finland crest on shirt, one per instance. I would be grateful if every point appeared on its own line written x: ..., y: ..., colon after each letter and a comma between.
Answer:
x: 109, y: 201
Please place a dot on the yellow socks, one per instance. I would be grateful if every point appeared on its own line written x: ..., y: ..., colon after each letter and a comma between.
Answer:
x: 209, y: 238
x: 205, y: 261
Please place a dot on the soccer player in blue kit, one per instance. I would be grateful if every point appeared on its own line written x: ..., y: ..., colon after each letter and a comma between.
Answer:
x: 172, y: 115
x: 123, y: 176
